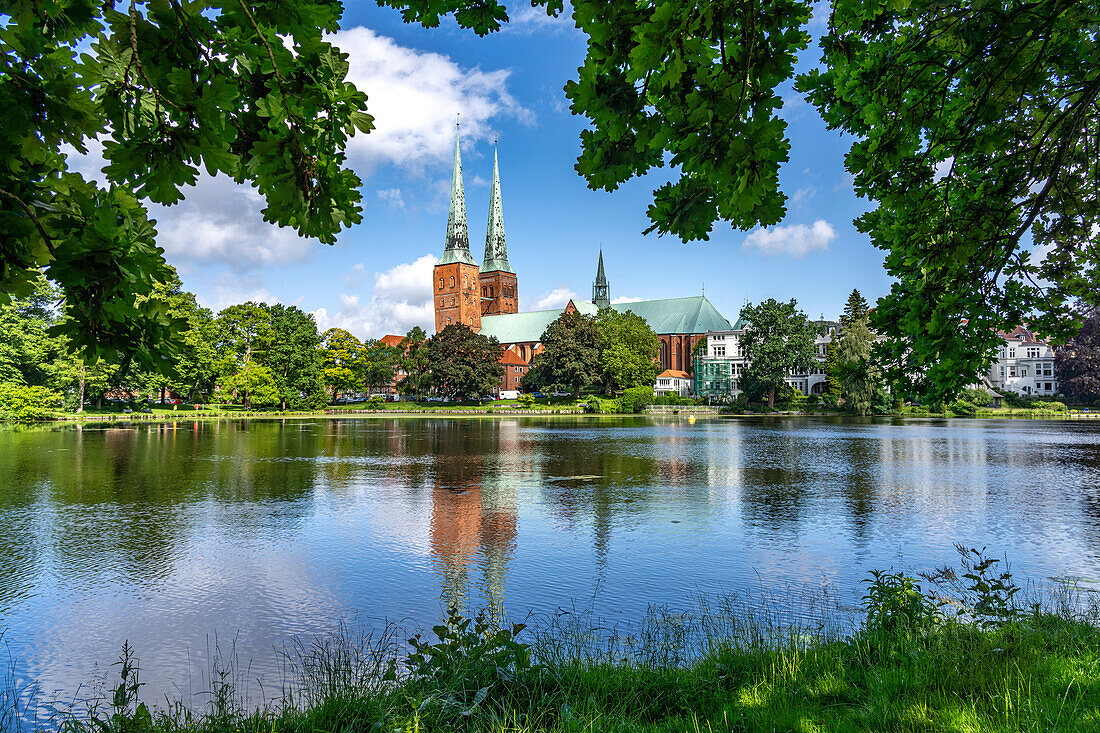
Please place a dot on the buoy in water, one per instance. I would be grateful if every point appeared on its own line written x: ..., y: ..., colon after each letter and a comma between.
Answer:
x: 691, y: 420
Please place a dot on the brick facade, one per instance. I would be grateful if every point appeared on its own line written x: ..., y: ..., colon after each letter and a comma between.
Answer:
x: 457, y: 295
x: 499, y: 293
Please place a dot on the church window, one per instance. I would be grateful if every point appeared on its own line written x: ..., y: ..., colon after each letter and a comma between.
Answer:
x: 452, y: 281
x: 453, y: 300
x: 490, y: 291
x: 440, y: 283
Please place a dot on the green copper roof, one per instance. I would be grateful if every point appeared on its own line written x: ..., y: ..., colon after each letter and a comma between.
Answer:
x: 673, y: 315
x: 458, y: 241
x: 496, y: 250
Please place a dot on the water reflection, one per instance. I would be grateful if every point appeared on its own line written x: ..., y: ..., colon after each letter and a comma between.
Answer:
x: 163, y: 534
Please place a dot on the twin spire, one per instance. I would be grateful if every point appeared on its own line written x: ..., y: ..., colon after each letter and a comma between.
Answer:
x: 458, y: 240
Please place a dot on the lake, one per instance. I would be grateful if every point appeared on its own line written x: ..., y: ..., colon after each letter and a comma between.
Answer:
x: 177, y: 537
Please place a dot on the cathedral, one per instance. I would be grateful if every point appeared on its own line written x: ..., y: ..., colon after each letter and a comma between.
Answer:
x: 486, y: 297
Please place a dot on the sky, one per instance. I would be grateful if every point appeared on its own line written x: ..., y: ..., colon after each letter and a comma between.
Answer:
x: 509, y: 86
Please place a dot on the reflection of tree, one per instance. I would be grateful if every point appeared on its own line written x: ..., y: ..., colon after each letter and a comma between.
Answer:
x: 776, y: 479
x: 859, y: 486
x: 123, y: 500
x: 471, y: 514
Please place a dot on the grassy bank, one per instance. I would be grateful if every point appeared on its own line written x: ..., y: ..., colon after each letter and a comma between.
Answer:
x: 961, y: 654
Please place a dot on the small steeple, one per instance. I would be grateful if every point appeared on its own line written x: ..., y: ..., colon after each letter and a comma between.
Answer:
x: 458, y: 241
x: 496, y: 250
x: 601, y: 291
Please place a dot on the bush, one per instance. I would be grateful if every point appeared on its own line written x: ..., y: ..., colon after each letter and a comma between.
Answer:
x: 976, y: 396
x: 829, y: 400
x: 376, y: 403
x: 964, y: 408
x: 812, y: 401
x: 786, y: 397
x: 882, y: 403
x: 636, y: 399
x: 895, y: 603
x: 18, y: 402
x: 526, y: 400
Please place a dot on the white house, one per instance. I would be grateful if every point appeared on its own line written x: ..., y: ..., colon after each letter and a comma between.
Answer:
x: 674, y: 381
x: 719, y: 372
x: 1024, y: 365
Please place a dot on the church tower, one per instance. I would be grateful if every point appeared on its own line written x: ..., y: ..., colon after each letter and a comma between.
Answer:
x: 601, y: 291
x: 456, y: 295
x: 499, y: 288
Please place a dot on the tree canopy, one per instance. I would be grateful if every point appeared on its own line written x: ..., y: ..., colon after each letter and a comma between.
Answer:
x: 570, y: 358
x: 628, y: 350
x: 464, y: 364
x: 778, y: 341
x: 1078, y: 363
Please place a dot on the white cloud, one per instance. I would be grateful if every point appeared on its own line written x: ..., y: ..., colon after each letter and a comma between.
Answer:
x: 415, y: 97
x: 801, y: 196
x: 556, y: 298
x: 223, y: 295
x: 353, y: 278
x: 796, y: 240
x: 401, y: 298
x: 220, y: 221
x: 625, y: 299
x: 393, y: 197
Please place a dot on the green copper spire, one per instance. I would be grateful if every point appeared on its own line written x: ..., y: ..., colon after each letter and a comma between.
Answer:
x: 601, y: 291
x: 458, y: 241
x: 496, y: 251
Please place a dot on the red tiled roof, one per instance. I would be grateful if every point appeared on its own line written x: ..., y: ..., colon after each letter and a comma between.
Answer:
x: 510, y: 357
x: 674, y: 374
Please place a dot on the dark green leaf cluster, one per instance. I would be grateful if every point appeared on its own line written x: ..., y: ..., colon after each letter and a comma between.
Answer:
x: 464, y: 364
x: 977, y: 132
x: 690, y: 85
x: 1077, y: 364
x: 250, y: 90
x: 570, y: 357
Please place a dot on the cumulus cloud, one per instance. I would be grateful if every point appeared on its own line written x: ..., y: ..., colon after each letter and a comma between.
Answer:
x: 220, y: 222
x: 796, y: 240
x: 556, y: 298
x: 625, y: 299
x: 224, y: 294
x: 401, y: 298
x: 416, y: 96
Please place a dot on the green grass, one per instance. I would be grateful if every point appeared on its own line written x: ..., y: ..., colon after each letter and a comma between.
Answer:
x: 722, y: 665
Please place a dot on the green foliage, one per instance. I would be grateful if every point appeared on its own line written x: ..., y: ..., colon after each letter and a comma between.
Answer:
x: 951, y: 105
x: 884, y: 403
x: 976, y: 396
x: 250, y: 91
x: 19, y: 402
x: 895, y: 604
x: 380, y: 364
x: 812, y: 401
x: 778, y: 341
x: 628, y: 350
x: 294, y: 358
x: 636, y: 399
x: 990, y: 596
x: 829, y: 400
x: 858, y: 373
x: 251, y: 385
x: 342, y: 361
x: 376, y: 402
x: 525, y: 400
x: 464, y: 364
x: 833, y: 385
x: 415, y: 363
x: 570, y: 356
x: 693, y: 86
x: 474, y: 664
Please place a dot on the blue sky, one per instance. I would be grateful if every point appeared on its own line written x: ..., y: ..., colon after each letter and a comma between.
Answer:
x: 376, y: 280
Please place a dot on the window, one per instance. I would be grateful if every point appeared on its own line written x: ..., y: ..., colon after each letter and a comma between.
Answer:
x: 1023, y: 371
x: 440, y: 283
x: 454, y: 301
x: 1002, y: 372
x: 1032, y: 352
x: 490, y: 291
x: 719, y: 350
x: 452, y: 281
x: 1012, y: 371
x: 1012, y: 353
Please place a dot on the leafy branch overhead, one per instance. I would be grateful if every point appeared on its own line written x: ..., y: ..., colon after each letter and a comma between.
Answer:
x: 246, y: 89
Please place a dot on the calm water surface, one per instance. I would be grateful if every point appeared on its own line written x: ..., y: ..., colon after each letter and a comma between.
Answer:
x: 165, y: 535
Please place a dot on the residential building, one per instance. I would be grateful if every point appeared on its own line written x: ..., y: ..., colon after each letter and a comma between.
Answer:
x: 718, y: 373
x: 674, y: 381
x: 1024, y: 365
